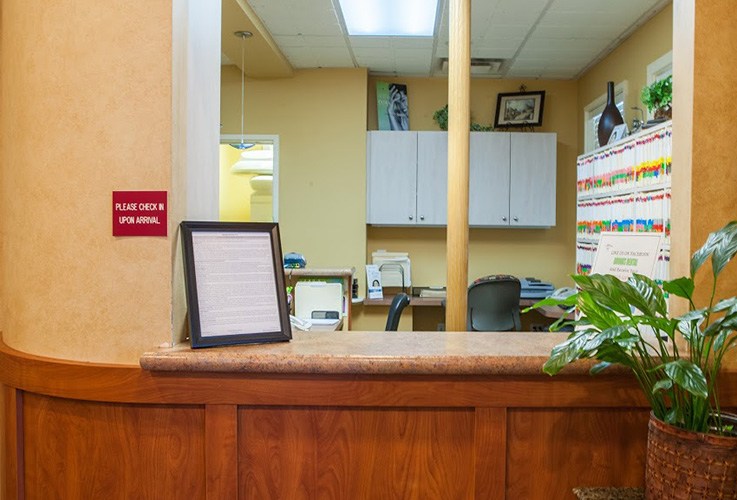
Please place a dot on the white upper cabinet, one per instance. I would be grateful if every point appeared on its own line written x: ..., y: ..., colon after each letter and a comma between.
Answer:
x: 432, y: 178
x: 407, y: 177
x: 511, y: 179
x: 488, y: 192
x: 391, y: 177
x: 532, y: 180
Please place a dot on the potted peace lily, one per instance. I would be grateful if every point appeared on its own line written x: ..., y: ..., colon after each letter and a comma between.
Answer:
x: 676, y: 361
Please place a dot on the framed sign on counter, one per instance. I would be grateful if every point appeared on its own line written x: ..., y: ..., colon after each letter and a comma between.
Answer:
x: 234, y: 280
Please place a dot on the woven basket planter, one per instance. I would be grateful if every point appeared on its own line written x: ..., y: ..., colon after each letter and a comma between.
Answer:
x: 689, y: 465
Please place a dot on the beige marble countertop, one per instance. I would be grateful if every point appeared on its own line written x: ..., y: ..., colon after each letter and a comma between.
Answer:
x: 419, y: 353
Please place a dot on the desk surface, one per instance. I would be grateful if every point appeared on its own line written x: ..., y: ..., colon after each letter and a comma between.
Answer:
x: 419, y: 353
x: 547, y: 311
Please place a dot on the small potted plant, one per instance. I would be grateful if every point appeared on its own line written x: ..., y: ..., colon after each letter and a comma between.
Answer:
x: 658, y: 97
x: 441, y: 118
x: 676, y: 361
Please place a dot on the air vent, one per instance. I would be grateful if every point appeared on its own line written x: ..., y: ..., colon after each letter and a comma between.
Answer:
x: 479, y: 66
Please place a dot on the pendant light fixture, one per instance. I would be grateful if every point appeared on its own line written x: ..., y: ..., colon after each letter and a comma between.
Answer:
x: 243, y: 35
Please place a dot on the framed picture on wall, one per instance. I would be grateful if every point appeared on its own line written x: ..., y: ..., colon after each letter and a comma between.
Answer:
x: 519, y: 109
x: 234, y: 279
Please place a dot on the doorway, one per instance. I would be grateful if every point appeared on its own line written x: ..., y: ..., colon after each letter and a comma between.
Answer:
x: 249, y: 178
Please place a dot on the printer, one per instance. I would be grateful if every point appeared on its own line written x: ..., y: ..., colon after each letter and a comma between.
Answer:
x: 533, y: 288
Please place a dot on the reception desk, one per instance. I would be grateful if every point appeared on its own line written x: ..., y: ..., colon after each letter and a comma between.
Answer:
x: 329, y: 415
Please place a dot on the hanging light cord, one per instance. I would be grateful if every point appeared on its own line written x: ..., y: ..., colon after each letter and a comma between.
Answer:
x: 243, y: 84
x: 243, y: 35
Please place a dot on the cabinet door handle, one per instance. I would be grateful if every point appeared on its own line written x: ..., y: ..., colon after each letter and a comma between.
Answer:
x: 516, y: 219
x: 504, y: 219
x: 422, y: 217
x: 410, y: 217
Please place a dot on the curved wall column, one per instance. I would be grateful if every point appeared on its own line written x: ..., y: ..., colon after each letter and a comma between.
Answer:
x: 86, y: 99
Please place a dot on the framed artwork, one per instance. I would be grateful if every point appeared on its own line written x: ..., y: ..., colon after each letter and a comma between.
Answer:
x: 234, y: 280
x: 392, y: 106
x: 519, y: 109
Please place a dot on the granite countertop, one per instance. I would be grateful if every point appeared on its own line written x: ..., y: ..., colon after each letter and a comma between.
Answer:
x: 419, y: 353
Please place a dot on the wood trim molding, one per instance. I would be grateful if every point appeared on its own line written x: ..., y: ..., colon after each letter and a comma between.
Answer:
x: 131, y: 384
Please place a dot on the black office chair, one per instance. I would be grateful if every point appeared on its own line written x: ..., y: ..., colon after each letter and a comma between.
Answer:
x: 493, y: 304
x: 400, y: 301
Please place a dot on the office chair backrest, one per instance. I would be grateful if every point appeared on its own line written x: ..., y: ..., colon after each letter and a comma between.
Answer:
x: 493, y: 304
x: 400, y: 301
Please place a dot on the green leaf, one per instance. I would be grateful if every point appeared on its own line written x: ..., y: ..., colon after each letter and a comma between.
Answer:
x: 674, y: 416
x: 688, y: 376
x: 688, y: 328
x: 681, y: 287
x: 569, y: 301
x: 725, y: 304
x: 645, y: 295
x: 662, y: 385
x: 668, y: 326
x: 699, y: 256
x: 693, y: 315
x: 601, y: 317
x: 615, y: 354
x: 725, y: 248
x: 566, y: 352
x: 599, y: 367
x: 604, y: 290
x: 720, y: 339
x: 725, y: 323
x: 612, y: 333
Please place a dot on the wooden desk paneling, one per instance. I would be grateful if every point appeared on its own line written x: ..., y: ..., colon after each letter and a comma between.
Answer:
x: 83, y: 430
x: 409, y: 453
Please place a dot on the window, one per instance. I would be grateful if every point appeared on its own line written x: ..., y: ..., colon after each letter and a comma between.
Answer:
x: 593, y: 111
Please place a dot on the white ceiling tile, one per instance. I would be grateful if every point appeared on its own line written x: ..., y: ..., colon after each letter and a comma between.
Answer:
x: 496, y: 31
x: 413, y: 54
x: 585, y: 31
x: 404, y: 42
x: 386, y: 67
x: 588, y: 45
x: 414, y: 67
x: 370, y: 42
x: 333, y: 58
x: 561, y: 37
x: 375, y: 54
x: 324, y: 41
x: 289, y: 41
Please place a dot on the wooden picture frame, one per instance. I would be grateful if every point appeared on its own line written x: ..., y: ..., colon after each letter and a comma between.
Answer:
x: 519, y: 109
x: 234, y: 280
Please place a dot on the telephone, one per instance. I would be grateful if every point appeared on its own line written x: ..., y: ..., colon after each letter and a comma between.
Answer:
x: 562, y: 293
x: 299, y: 323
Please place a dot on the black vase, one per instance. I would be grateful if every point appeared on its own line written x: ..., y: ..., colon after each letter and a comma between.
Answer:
x: 610, y: 117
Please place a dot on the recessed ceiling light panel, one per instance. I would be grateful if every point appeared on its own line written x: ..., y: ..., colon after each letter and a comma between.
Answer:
x: 389, y: 17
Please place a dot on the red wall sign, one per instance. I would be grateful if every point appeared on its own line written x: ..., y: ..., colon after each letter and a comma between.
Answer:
x: 139, y: 213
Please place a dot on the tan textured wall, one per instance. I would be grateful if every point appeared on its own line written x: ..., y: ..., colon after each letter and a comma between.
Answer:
x: 627, y: 62
x: 714, y: 178
x: 86, y: 109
